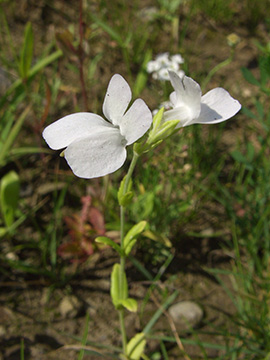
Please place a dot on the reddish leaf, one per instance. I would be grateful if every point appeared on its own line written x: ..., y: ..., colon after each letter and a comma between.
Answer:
x: 97, y: 220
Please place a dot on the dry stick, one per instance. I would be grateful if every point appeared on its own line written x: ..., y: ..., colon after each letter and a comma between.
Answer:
x: 173, y: 328
x: 81, y: 57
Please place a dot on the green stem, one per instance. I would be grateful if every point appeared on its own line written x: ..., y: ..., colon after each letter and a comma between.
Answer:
x: 123, y: 257
x: 216, y: 69
x: 130, y: 170
x: 123, y: 330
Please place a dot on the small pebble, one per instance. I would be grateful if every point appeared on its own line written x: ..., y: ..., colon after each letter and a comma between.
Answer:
x: 70, y: 306
x: 186, y: 315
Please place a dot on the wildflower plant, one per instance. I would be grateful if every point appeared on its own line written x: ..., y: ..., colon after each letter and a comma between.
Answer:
x: 96, y: 147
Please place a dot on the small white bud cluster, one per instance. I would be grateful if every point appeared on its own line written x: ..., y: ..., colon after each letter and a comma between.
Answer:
x: 163, y: 63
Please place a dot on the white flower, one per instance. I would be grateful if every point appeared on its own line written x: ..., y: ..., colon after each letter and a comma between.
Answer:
x: 190, y: 107
x: 162, y: 74
x: 152, y: 66
x: 94, y: 146
x: 178, y: 59
x: 163, y: 59
x: 162, y: 64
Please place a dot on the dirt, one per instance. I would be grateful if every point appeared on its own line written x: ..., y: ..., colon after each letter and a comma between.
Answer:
x: 31, y: 308
x: 31, y: 311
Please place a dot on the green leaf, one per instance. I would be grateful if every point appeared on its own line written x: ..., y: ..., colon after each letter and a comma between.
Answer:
x: 42, y: 63
x: 250, y: 151
x: 3, y: 231
x: 130, y: 238
x: 129, y: 304
x: 160, y: 311
x: 239, y: 157
x: 107, y: 241
x: 9, y: 141
x: 126, y: 199
x: 160, y: 129
x: 165, y: 130
x: 129, y: 247
x: 27, y: 51
x: 119, y: 287
x: 142, y: 77
x: 157, y: 120
x: 260, y: 109
x: 9, y: 196
x: 135, y: 346
x: 250, y: 77
x: 264, y: 65
x: 109, y: 30
x: 249, y: 113
x: 125, y: 195
x: 17, y: 152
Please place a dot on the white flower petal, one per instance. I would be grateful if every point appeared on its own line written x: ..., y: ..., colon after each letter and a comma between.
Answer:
x: 181, y: 73
x: 217, y: 106
x: 97, y: 155
x: 117, y: 98
x: 173, y: 99
x: 64, y: 131
x: 188, y: 93
x: 181, y: 113
x: 136, y: 121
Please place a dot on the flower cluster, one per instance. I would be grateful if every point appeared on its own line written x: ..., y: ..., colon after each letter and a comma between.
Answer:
x: 163, y: 63
x: 96, y: 147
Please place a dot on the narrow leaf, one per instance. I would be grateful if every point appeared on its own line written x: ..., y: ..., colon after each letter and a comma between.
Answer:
x: 9, y: 196
x: 27, y: 51
x: 107, y: 241
x: 130, y: 246
x: 159, y: 312
x: 42, y: 63
x: 135, y: 346
x: 135, y: 231
x: 124, y: 193
x: 108, y: 29
x: 142, y: 77
x: 250, y: 77
x: 157, y: 120
x: 164, y: 131
x: 12, y: 135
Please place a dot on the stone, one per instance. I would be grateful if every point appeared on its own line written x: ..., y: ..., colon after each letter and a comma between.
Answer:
x: 186, y: 315
x: 70, y: 306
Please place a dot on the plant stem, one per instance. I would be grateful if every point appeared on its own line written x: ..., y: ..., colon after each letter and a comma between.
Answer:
x: 123, y: 330
x: 81, y: 57
x: 130, y: 170
x: 216, y: 69
x: 123, y: 257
